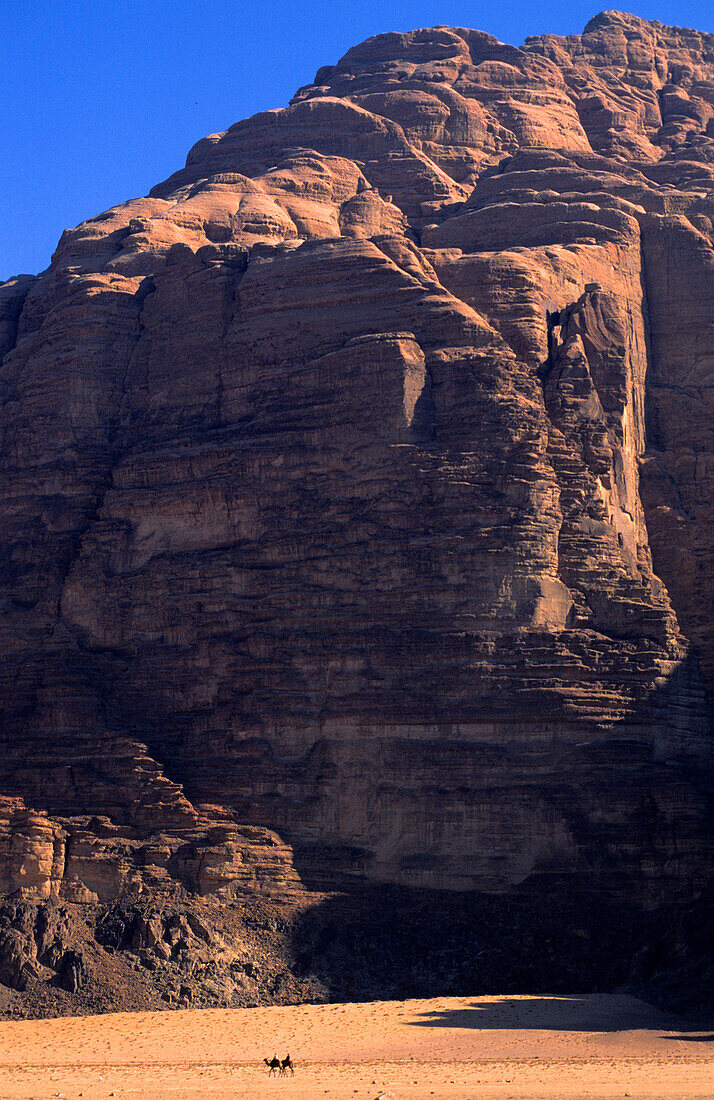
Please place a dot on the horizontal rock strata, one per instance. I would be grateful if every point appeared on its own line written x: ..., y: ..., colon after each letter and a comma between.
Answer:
x: 356, y: 491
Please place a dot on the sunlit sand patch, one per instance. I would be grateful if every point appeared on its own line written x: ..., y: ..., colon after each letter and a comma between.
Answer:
x: 543, y: 1048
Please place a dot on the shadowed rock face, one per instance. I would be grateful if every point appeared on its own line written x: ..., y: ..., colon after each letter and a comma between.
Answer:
x: 356, y: 490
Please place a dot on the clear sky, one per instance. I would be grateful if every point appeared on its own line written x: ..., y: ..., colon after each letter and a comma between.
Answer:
x: 101, y: 99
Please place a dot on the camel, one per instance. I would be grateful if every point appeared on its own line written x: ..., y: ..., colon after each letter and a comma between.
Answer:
x: 286, y: 1065
x: 274, y: 1065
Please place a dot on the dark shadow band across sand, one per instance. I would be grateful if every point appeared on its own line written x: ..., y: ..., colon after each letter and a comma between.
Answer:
x: 589, y: 1012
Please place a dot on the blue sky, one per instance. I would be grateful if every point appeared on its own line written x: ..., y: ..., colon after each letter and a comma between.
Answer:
x: 103, y: 98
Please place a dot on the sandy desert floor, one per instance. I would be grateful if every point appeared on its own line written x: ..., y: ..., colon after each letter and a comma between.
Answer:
x: 492, y: 1047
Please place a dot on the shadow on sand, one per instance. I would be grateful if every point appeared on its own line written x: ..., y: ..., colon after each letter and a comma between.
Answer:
x: 691, y: 1038
x: 595, y: 1012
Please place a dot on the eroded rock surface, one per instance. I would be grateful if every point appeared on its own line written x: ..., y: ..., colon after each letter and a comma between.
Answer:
x: 356, y: 491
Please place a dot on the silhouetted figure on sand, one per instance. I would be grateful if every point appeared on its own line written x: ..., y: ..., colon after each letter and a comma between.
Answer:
x: 286, y: 1065
x: 273, y: 1065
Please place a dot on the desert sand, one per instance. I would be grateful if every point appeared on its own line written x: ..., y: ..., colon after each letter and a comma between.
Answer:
x: 600, y: 1046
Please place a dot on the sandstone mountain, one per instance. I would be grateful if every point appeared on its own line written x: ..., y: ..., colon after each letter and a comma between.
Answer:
x: 357, y: 486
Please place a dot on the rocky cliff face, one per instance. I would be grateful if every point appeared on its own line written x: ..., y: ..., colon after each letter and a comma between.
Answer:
x: 356, y: 491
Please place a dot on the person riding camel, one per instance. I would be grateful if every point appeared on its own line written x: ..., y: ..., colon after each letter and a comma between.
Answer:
x: 286, y: 1065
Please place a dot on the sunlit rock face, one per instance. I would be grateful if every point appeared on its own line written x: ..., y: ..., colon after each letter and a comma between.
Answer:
x: 357, y: 490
